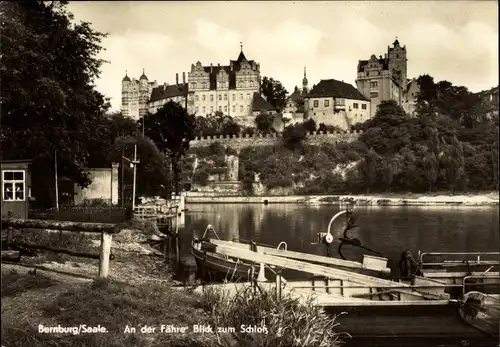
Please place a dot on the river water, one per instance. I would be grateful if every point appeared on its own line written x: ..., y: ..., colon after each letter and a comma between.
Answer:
x: 389, y: 230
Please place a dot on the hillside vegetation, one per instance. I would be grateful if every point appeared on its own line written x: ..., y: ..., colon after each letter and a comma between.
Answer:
x: 451, y: 144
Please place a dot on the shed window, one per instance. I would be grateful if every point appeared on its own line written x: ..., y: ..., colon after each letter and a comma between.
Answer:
x: 13, y: 185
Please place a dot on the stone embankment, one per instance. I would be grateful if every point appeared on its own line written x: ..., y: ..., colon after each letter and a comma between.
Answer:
x: 239, y: 141
x: 359, y: 200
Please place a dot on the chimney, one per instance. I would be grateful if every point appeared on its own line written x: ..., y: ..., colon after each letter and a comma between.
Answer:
x: 231, y: 66
x: 177, y: 79
x: 211, y: 68
x: 385, y: 55
x: 218, y: 65
x: 184, y: 78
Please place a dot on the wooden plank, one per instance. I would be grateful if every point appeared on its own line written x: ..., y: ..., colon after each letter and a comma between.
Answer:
x: 60, y: 250
x: 105, y: 252
x: 303, y: 266
x: 297, y: 255
x: 60, y: 225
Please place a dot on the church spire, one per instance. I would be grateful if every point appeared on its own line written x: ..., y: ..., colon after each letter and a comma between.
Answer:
x: 305, y: 89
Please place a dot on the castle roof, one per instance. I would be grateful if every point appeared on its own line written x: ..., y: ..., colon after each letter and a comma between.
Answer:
x: 336, y: 89
x: 236, y: 66
x: 382, y: 61
x: 143, y: 76
x: 168, y: 91
x: 126, y: 78
x: 260, y: 104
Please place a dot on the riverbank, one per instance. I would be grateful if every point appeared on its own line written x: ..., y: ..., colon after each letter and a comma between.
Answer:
x: 390, y: 199
x: 139, y: 305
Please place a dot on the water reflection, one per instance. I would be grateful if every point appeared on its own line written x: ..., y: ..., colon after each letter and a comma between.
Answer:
x: 389, y: 230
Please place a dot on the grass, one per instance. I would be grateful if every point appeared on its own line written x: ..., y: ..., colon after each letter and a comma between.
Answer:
x: 134, y: 297
x: 14, y: 283
x: 284, y: 322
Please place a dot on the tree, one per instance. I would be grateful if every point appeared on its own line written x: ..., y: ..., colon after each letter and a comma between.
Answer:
x: 216, y: 124
x: 368, y: 168
x: 294, y: 135
x: 310, y: 125
x: 48, y: 100
x: 153, y: 174
x: 453, y: 162
x: 264, y: 122
x: 171, y: 128
x: 274, y: 92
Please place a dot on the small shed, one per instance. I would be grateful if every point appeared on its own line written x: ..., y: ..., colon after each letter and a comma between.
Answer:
x: 16, y: 187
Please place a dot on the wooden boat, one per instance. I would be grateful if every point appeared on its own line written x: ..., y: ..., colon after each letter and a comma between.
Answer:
x: 482, y: 311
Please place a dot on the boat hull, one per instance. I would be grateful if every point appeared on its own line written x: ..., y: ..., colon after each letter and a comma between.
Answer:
x: 403, y: 326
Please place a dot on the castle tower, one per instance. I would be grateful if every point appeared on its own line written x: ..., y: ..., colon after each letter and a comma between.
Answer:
x: 398, y: 63
x: 126, y: 85
x: 143, y: 94
x: 305, y: 88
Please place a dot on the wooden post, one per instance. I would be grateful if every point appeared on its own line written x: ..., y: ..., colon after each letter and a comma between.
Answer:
x: 278, y: 285
x: 9, y: 237
x: 104, y: 254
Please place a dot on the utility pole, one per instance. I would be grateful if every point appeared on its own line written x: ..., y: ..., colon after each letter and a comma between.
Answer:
x: 133, y: 163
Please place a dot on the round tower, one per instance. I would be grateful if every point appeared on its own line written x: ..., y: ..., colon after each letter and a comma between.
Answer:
x: 143, y: 94
x: 125, y: 95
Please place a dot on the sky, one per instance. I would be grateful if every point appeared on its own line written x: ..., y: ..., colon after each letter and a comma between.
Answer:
x: 449, y: 40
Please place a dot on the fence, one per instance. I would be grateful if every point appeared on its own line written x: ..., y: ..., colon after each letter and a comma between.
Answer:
x: 105, y: 229
x: 101, y: 214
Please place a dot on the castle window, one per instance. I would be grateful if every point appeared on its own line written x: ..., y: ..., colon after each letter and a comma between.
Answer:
x: 211, y: 97
x: 373, y: 84
x: 248, y: 96
x: 197, y: 98
x: 203, y: 97
x: 197, y: 109
x: 225, y: 109
x: 374, y: 95
x: 241, y: 96
x: 204, y: 110
x: 220, y: 108
x: 316, y: 103
x: 234, y: 108
x: 234, y: 97
x: 204, y: 85
x: 211, y: 109
x: 326, y: 103
x: 241, y: 108
x: 225, y: 97
x: 194, y: 85
x: 397, y: 55
x: 220, y: 97
x: 355, y: 105
x: 363, y: 106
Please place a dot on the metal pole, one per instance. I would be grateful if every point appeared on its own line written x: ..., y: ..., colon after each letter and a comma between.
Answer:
x: 57, y: 181
x: 135, y: 174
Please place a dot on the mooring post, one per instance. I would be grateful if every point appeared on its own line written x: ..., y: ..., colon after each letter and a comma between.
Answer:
x: 278, y: 285
x: 106, y: 239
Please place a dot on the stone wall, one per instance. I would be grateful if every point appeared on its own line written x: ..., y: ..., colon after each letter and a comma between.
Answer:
x: 104, y: 186
x: 239, y: 141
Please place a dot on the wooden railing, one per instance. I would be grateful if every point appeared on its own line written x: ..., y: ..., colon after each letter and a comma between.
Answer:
x: 105, y: 229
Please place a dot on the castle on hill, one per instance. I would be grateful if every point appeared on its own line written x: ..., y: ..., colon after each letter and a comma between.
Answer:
x: 232, y: 89
x: 235, y: 90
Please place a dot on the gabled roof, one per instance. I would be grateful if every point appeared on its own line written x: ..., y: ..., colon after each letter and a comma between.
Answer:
x: 296, y: 96
x: 336, y: 89
x: 260, y: 104
x: 236, y: 64
x: 382, y: 61
x: 169, y: 91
